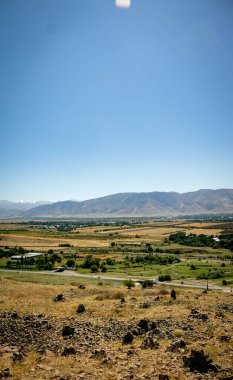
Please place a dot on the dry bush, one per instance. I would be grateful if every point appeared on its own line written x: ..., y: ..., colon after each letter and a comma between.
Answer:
x: 163, y: 291
x: 106, y: 295
x: 178, y: 333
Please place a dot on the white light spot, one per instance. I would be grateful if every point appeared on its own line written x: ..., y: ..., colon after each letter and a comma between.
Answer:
x: 123, y: 3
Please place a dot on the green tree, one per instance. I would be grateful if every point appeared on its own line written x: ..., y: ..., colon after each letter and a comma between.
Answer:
x: 129, y: 283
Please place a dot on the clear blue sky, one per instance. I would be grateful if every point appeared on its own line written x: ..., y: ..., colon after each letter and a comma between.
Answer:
x: 96, y: 100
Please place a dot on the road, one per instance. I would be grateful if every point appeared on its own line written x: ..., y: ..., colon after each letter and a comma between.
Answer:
x: 104, y: 277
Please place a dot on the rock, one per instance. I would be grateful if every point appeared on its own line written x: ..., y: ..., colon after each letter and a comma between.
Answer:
x: 67, y: 331
x: 144, y: 324
x: 145, y: 305
x: 5, y: 373
x: 44, y: 367
x: 17, y: 356
x: 199, y: 361
x: 27, y: 317
x: 130, y: 352
x: 81, y: 286
x: 128, y: 338
x: 177, y: 345
x: 14, y: 315
x: 69, y: 351
x: 163, y: 377
x: 224, y: 338
x: 149, y: 343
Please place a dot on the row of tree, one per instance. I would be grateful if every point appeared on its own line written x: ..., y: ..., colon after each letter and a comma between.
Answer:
x: 192, y: 240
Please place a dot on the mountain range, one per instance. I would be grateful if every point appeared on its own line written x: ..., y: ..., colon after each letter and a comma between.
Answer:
x: 128, y: 204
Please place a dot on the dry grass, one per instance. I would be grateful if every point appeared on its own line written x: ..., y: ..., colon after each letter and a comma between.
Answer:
x: 103, y: 303
x: 205, y: 231
x: 45, y: 243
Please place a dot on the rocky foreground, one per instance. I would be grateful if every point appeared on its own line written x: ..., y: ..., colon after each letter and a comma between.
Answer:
x: 197, y: 344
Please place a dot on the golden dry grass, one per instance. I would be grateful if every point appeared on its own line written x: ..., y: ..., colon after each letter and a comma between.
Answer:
x: 103, y: 303
x: 35, y: 242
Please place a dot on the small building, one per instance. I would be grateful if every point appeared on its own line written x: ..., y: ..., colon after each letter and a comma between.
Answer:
x: 28, y: 255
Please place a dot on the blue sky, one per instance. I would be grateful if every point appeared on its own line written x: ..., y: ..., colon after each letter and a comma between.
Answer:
x: 96, y: 100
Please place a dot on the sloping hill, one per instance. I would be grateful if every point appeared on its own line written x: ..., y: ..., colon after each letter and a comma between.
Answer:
x: 141, y: 204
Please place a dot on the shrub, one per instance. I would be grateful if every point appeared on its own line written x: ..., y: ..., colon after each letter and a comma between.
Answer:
x: 80, y: 309
x: 173, y: 294
x: 147, y: 284
x: 129, y: 283
x: 128, y: 338
x: 59, y: 297
x: 70, y: 263
x: 163, y: 291
x: 110, y: 261
x: 94, y: 269
x: 164, y: 277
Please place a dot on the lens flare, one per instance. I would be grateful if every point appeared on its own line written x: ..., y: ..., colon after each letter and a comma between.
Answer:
x: 123, y: 3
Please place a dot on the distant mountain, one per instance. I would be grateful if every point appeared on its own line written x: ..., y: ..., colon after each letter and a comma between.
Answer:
x: 10, y: 209
x: 140, y: 204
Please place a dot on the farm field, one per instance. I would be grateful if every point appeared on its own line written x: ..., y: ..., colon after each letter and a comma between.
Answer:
x: 119, y: 250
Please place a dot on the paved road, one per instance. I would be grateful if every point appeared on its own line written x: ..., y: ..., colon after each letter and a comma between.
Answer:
x: 104, y: 277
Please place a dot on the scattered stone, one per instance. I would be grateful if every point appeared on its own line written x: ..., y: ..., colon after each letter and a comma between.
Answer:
x: 81, y: 286
x: 67, y: 331
x: 199, y: 361
x: 220, y: 314
x: 226, y: 306
x: 145, y: 305
x: 197, y: 315
x: 128, y: 338
x: 99, y: 354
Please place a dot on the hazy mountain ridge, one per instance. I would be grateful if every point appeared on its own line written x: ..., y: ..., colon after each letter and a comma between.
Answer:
x: 127, y: 204
x: 14, y: 209
x: 140, y: 204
